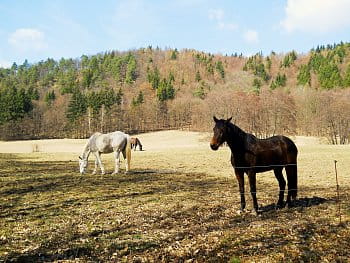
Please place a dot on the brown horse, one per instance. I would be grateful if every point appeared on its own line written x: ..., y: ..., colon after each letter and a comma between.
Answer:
x: 251, y: 155
x: 135, y: 142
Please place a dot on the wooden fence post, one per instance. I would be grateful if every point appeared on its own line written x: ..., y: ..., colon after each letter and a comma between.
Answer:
x: 338, y: 199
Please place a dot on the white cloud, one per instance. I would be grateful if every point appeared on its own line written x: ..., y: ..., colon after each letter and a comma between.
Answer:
x: 218, y: 15
x: 227, y: 26
x: 28, y: 39
x: 251, y: 36
x: 316, y: 15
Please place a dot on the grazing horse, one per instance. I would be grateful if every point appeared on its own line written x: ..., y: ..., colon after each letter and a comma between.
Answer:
x: 251, y: 155
x: 134, y: 142
x: 106, y: 143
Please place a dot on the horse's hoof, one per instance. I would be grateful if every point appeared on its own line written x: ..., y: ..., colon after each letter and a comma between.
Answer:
x: 240, y: 211
x: 291, y: 205
x: 280, y: 206
x: 256, y: 212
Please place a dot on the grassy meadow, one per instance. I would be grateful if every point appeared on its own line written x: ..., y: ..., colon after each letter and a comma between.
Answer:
x: 178, y: 204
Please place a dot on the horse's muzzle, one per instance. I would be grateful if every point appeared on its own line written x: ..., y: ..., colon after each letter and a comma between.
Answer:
x: 214, y: 146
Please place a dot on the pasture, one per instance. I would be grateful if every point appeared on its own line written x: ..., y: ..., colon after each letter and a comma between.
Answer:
x: 177, y: 204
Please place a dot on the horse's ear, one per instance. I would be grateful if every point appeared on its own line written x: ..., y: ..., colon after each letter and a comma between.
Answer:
x: 215, y: 119
x: 228, y: 120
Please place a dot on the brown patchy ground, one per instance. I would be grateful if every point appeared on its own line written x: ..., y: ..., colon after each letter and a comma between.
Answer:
x: 178, y: 204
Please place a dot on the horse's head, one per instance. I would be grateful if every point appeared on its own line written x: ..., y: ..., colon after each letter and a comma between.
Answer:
x: 220, y: 133
x: 83, y: 163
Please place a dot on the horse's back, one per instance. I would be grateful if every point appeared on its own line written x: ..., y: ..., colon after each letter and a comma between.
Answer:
x: 279, y: 141
x: 107, y: 143
x: 287, y: 145
x: 276, y: 149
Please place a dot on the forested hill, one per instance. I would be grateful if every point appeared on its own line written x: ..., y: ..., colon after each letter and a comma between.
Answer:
x: 152, y: 89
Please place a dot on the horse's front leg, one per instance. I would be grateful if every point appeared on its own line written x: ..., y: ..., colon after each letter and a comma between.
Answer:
x: 96, y: 165
x: 240, y: 179
x: 98, y: 160
x: 252, y: 184
x: 117, y: 162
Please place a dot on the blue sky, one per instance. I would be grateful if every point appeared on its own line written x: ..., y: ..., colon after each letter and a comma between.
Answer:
x: 38, y: 29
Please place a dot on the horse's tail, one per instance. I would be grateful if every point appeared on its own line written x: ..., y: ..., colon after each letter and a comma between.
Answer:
x: 128, y: 152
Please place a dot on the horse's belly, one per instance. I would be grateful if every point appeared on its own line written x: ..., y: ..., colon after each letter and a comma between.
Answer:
x: 262, y: 169
x: 106, y: 149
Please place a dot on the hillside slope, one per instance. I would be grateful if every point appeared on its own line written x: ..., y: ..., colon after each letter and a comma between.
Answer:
x: 151, y: 89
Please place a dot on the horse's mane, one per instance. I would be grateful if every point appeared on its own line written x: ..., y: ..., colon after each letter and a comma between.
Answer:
x: 241, y: 138
x: 237, y: 131
x: 85, y: 149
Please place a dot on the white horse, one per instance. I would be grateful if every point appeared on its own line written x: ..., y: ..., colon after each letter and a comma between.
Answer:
x: 106, y: 143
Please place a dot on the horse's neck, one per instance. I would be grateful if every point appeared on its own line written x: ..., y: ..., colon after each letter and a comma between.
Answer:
x: 236, y: 139
x: 86, y: 151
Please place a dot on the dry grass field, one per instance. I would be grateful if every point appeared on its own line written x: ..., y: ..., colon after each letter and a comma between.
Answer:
x: 178, y: 204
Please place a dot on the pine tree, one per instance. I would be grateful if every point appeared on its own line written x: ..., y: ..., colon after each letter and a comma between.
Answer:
x: 346, y: 81
x: 77, y: 106
x: 165, y: 90
x: 220, y: 69
x: 174, y: 54
x: 33, y: 93
x: 138, y: 100
x: 131, y: 70
x: 304, y: 75
x: 198, y: 76
x: 50, y: 97
x: 140, y: 97
x: 256, y: 85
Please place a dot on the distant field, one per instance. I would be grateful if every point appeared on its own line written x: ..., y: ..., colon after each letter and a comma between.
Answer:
x: 179, y: 203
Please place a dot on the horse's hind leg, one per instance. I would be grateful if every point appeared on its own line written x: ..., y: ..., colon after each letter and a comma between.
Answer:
x: 117, y: 162
x: 282, y: 186
x: 127, y: 168
x: 292, y: 178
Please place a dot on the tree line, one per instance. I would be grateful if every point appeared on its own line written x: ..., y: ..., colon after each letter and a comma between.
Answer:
x: 152, y: 89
